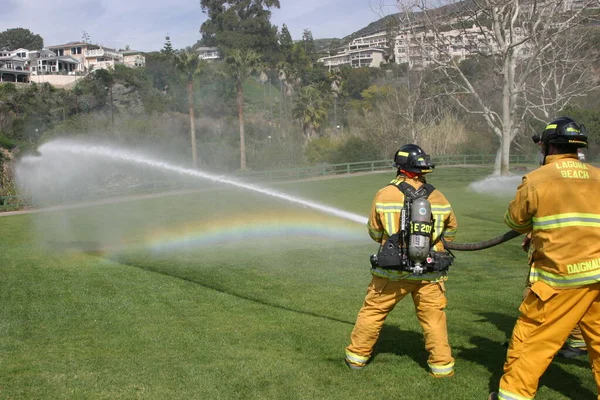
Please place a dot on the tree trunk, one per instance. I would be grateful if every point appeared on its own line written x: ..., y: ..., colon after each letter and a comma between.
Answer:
x: 498, y: 161
x: 504, y: 162
x: 190, y: 88
x: 270, y: 103
x: 264, y: 98
x: 240, y: 104
x: 335, y: 124
x: 281, y: 104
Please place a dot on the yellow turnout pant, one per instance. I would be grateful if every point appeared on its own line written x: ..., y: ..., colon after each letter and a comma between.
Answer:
x: 382, y: 296
x: 547, y: 317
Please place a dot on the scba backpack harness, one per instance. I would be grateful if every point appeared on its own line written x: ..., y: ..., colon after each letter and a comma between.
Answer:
x: 411, y: 248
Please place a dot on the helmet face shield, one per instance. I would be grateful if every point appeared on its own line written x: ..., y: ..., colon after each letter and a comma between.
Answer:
x: 421, y: 161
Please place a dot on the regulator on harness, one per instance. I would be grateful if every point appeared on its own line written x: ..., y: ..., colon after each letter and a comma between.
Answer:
x: 410, y: 249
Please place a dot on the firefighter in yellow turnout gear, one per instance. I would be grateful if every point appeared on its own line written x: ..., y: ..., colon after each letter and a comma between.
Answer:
x: 389, y: 286
x: 558, y: 204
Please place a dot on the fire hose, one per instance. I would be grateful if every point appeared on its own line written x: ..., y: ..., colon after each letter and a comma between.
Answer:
x: 486, y: 244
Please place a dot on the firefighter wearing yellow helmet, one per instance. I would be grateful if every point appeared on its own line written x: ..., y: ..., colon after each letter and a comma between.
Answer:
x: 558, y: 204
x: 411, y: 261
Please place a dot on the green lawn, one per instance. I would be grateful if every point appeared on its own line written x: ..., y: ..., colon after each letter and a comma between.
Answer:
x: 192, y: 297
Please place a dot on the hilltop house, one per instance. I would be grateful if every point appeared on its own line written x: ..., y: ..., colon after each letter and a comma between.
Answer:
x: 13, y: 68
x: 76, y: 50
x: 365, y: 51
x: 133, y: 58
x: 102, y: 58
x: 92, y: 56
x: 208, y: 53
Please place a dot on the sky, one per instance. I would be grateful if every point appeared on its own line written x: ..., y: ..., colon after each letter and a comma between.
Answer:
x: 144, y: 24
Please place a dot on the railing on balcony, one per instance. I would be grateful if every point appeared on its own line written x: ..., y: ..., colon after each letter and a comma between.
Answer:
x: 103, y: 64
x: 102, y: 53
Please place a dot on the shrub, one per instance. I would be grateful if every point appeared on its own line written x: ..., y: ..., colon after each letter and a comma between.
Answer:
x: 319, y: 150
x: 355, y: 149
x: 8, y: 88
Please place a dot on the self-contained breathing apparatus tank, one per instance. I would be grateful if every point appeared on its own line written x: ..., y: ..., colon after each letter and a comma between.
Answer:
x: 420, y: 233
x: 410, y: 249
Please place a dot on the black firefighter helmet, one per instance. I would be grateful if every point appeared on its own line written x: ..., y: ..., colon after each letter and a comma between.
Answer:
x: 412, y: 158
x: 563, y: 132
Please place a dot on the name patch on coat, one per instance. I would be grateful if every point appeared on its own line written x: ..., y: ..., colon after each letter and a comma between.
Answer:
x: 583, y: 266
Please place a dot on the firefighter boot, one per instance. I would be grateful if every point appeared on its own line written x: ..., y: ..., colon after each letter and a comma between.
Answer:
x: 571, y: 352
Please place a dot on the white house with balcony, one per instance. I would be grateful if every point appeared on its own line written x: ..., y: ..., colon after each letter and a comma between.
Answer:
x: 365, y: 51
x: 12, y: 69
x: 76, y: 50
x: 102, y: 58
x: 376, y: 40
x: 368, y: 57
x: 208, y: 53
x: 419, y: 49
x: 133, y: 58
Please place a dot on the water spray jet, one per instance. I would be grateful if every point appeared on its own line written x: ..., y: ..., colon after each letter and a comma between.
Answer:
x: 62, y: 147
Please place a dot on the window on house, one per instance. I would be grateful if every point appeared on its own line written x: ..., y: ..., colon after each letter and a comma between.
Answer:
x: 76, y: 50
x: 60, y: 52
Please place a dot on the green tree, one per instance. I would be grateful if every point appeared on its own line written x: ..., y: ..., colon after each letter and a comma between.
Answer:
x: 167, y: 49
x: 308, y: 43
x: 285, y: 43
x: 190, y: 64
x: 240, y: 64
x: 357, y: 80
x: 310, y: 109
x: 12, y: 39
x: 240, y: 24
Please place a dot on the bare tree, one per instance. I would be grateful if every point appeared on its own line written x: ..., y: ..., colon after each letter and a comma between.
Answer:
x: 534, y: 48
x: 416, y: 109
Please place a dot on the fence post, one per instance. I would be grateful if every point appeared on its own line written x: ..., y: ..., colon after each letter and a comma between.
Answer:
x: 348, y: 168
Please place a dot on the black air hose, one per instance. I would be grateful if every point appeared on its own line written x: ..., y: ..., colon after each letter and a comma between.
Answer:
x: 482, y: 245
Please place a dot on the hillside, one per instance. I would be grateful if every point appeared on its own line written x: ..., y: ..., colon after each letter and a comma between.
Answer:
x: 373, y: 27
x: 323, y: 45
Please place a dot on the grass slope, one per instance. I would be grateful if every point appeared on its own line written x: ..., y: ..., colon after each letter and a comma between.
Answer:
x: 84, y: 317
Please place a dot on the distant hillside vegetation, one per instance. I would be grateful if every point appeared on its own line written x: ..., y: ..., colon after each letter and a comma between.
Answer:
x: 323, y: 45
x: 373, y: 27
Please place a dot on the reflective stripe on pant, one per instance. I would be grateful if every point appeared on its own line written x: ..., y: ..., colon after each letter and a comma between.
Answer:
x: 575, y: 339
x: 547, y: 317
x: 382, y: 296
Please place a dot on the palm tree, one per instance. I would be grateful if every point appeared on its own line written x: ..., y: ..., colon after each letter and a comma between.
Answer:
x: 282, y: 72
x: 310, y: 108
x: 336, y: 81
x: 240, y: 64
x: 190, y: 64
x: 263, y: 79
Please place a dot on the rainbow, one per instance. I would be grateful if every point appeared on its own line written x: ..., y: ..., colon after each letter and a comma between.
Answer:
x: 248, y: 228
